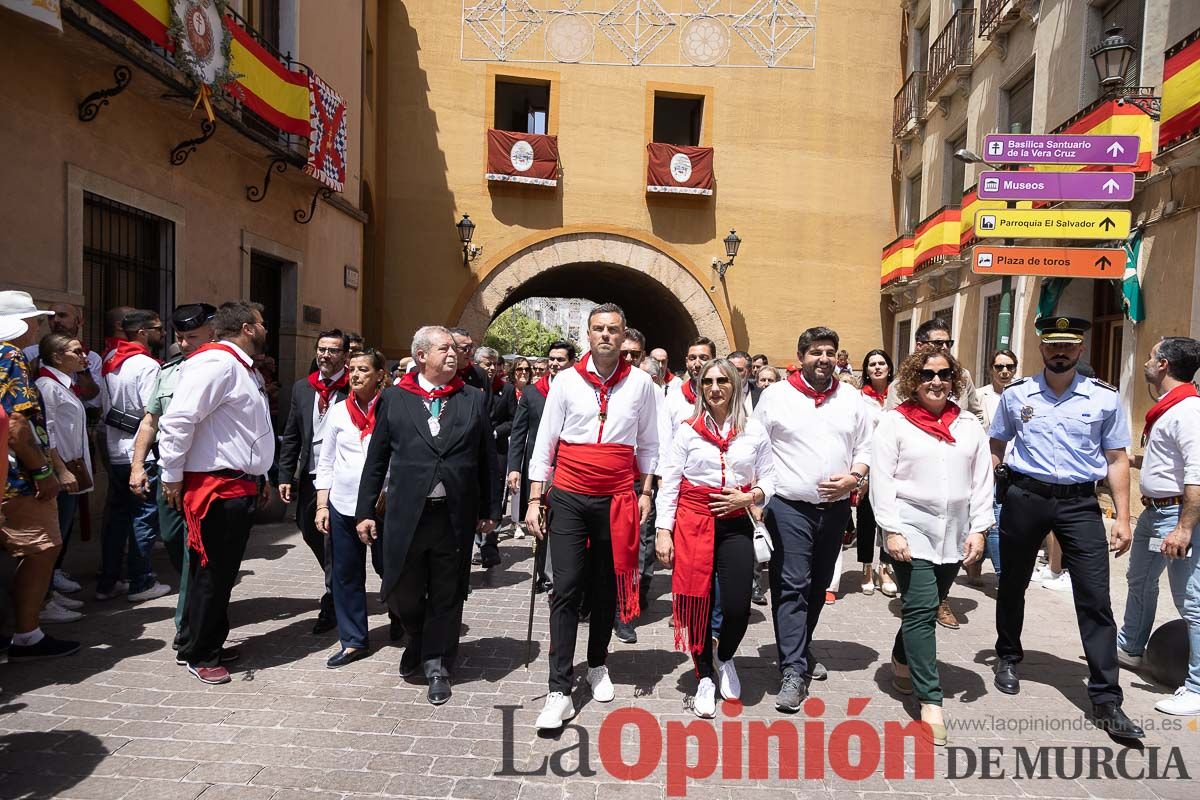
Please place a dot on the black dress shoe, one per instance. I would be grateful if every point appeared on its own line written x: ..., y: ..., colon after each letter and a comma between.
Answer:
x: 344, y: 657
x: 410, y: 662
x: 1109, y: 717
x: 477, y: 559
x: 323, y: 625
x: 625, y: 632
x: 1006, y: 677
x: 439, y: 690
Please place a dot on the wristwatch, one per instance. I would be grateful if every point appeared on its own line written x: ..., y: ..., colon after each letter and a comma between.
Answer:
x: 862, y: 479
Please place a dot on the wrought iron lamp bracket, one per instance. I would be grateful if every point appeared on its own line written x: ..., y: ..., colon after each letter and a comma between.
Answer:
x: 181, y: 151
x: 1148, y: 105
x: 304, y: 217
x: 90, y: 107
x: 257, y: 195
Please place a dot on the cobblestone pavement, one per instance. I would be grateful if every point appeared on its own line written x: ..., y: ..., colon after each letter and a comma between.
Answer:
x: 121, y: 720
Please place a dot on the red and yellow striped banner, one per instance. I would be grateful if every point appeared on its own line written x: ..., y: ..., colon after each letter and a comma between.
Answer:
x: 1180, y: 93
x: 265, y: 86
x: 938, y: 235
x: 971, y: 204
x: 897, y: 261
x: 148, y: 17
x: 1110, y: 118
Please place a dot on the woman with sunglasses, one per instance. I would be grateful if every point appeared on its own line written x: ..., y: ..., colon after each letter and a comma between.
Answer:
x: 1004, y: 372
x: 878, y: 372
x: 717, y: 468
x: 348, y: 430
x: 932, y: 490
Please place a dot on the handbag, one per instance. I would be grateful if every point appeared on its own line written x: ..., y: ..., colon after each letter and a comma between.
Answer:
x: 83, y: 476
x: 763, y: 546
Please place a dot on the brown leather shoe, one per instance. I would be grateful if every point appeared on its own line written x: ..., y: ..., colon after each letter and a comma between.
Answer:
x: 945, y: 617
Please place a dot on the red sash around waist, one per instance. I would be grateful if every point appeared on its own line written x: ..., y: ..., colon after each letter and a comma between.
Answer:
x: 200, y: 489
x: 691, y: 580
x: 608, y: 469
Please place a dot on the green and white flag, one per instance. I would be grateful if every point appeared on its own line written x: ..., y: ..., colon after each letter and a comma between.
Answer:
x: 1135, y: 310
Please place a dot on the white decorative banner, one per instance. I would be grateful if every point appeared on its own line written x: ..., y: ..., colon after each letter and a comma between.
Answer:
x: 47, y: 11
x: 696, y: 33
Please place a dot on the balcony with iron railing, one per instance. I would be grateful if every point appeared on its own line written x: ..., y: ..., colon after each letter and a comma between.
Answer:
x: 998, y: 16
x: 952, y: 53
x: 910, y: 104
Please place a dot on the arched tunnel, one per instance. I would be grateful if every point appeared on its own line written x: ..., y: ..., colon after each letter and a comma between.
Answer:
x: 648, y: 305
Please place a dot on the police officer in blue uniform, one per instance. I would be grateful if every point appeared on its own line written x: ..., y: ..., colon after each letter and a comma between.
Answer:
x: 1068, y: 432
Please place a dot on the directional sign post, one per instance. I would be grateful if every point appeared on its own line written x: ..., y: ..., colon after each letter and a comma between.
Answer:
x: 1013, y: 223
x: 1054, y: 186
x: 1053, y: 262
x: 1026, y: 148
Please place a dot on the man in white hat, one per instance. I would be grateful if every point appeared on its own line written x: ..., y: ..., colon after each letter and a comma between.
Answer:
x: 29, y: 532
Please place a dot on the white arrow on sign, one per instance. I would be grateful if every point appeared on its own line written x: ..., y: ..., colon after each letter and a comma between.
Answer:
x: 1110, y: 185
x: 1115, y: 148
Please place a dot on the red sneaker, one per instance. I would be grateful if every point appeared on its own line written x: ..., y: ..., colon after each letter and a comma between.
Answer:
x: 830, y: 598
x: 210, y: 675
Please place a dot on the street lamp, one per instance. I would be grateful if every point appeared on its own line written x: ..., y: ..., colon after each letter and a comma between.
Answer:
x: 466, y: 229
x: 1112, y: 58
x: 967, y: 156
x: 732, y: 243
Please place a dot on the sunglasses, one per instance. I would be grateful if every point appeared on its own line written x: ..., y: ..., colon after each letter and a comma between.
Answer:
x: 521, y: 369
x: 1004, y: 367
x: 722, y: 381
x: 632, y: 353
x: 944, y: 374
x: 947, y: 343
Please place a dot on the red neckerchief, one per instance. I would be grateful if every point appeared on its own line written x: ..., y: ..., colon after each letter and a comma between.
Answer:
x: 124, y: 350
x: 939, y: 426
x: 543, y: 385
x: 720, y: 442
x: 365, y: 422
x: 224, y: 348
x: 1176, y: 395
x: 409, y: 384
x: 869, y: 390
x: 688, y: 389
x: 326, y: 389
x: 668, y: 377
x: 497, y: 383
x: 603, y: 387
x: 45, y: 373
x: 797, y: 380
x: 111, y: 343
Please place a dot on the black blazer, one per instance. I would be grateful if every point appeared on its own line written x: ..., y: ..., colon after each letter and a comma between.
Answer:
x: 476, y: 377
x: 504, y: 411
x: 295, y: 452
x: 524, y: 436
x: 462, y: 458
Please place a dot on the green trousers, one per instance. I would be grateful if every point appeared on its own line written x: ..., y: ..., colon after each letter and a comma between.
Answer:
x: 923, y: 586
x: 173, y: 530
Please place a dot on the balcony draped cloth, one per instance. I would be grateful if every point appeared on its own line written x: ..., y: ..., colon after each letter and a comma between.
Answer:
x: 673, y: 169
x: 530, y: 158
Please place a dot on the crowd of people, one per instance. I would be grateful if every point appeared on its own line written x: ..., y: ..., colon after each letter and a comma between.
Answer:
x: 746, y: 480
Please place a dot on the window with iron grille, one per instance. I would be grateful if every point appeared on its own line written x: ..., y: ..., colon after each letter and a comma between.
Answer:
x: 903, y: 339
x: 991, y: 326
x: 946, y: 315
x: 128, y: 260
x: 1018, y: 101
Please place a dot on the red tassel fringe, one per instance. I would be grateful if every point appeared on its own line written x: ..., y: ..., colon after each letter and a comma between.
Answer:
x: 628, y: 600
x: 692, y: 614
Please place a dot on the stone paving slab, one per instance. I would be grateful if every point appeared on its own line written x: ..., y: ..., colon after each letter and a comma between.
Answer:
x: 121, y: 720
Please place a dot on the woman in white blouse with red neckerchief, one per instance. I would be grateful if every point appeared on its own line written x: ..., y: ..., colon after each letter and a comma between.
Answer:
x: 343, y: 453
x: 931, y: 488
x: 718, y: 468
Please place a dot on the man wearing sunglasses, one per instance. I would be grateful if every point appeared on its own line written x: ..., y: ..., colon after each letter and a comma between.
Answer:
x: 1068, y: 432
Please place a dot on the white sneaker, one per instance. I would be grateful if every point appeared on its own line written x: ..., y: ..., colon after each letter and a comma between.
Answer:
x: 519, y: 531
x: 1058, y: 583
x: 154, y: 592
x: 119, y: 588
x: 731, y: 686
x: 63, y: 601
x: 558, y: 709
x: 1127, y: 661
x: 1182, y: 704
x: 602, y: 685
x: 705, y: 702
x: 53, y: 612
x: 64, y: 584
x: 1041, y: 573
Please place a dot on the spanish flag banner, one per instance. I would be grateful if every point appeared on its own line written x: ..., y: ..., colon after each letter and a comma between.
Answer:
x: 1106, y: 117
x: 897, y: 261
x: 938, y: 236
x: 970, y: 204
x: 148, y: 17
x: 1180, y: 93
x: 265, y: 86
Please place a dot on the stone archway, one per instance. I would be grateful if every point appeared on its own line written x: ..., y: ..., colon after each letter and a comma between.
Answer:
x: 656, y: 286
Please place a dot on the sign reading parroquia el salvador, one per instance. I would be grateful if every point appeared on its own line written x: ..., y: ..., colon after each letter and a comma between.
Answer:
x: 1059, y: 223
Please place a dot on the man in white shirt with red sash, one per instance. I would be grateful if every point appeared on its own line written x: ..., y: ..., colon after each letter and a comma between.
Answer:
x: 599, y: 432
x: 681, y: 398
x: 215, y: 444
x: 820, y: 437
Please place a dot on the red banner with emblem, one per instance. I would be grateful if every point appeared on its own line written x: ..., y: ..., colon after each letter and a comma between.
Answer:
x: 522, y: 158
x: 673, y: 169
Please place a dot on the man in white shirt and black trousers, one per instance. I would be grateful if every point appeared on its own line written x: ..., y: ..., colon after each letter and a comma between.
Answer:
x: 216, y: 443
x: 599, y: 432
x: 435, y: 435
x: 820, y: 435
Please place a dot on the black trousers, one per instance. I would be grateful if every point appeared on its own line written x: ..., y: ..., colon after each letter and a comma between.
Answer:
x: 205, y: 625
x: 867, y: 534
x: 1025, y: 519
x: 807, y: 541
x: 733, y: 572
x: 426, y: 596
x: 318, y: 543
x: 647, y: 533
x: 581, y: 558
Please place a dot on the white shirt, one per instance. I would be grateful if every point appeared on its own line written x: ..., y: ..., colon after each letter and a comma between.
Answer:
x: 342, y: 459
x: 748, y: 462
x: 989, y: 398
x: 95, y: 365
x: 933, y: 492
x: 572, y: 414
x: 218, y: 419
x: 319, y: 420
x: 130, y: 388
x: 1172, y: 457
x: 674, y: 383
x: 675, y: 409
x: 429, y: 386
x: 66, y: 420
x: 812, y: 444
